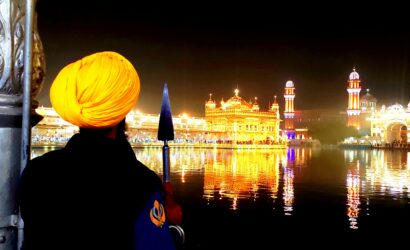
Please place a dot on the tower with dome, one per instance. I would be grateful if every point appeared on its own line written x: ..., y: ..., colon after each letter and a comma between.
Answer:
x: 289, y: 113
x: 359, y: 108
x: 292, y: 129
x: 353, y: 105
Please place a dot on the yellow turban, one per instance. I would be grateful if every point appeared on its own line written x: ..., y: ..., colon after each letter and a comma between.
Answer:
x: 97, y: 91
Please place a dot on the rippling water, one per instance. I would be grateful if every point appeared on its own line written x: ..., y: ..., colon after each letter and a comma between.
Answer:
x: 233, y: 198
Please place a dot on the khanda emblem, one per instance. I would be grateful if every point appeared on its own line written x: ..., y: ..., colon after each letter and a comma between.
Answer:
x: 157, y: 214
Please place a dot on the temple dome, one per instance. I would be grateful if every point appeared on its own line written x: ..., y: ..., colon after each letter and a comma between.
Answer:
x: 368, y: 98
x: 396, y: 108
x: 237, y: 101
x: 354, y: 75
x: 289, y: 84
x: 368, y: 102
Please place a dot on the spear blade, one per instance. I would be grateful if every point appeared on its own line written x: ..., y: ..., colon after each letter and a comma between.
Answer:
x: 166, y: 127
x: 165, y: 133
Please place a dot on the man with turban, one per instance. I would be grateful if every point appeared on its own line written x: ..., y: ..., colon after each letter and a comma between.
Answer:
x: 90, y: 194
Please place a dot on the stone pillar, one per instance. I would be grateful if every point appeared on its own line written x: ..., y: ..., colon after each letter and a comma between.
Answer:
x: 12, y: 19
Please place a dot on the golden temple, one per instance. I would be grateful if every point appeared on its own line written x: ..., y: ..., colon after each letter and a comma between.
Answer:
x: 239, y: 122
x: 234, y: 124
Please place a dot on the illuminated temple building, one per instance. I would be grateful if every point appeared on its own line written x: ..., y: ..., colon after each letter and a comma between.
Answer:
x: 237, y: 121
x: 390, y: 124
x: 384, y: 126
x: 142, y: 129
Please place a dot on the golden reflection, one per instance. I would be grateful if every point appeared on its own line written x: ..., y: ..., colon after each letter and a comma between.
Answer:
x: 239, y: 174
x: 183, y: 160
x: 234, y: 175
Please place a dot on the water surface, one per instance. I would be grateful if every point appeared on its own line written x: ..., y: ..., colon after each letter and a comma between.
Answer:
x: 271, y: 198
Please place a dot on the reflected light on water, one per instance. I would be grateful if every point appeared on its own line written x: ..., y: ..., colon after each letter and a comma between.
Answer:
x: 353, y: 195
x: 258, y: 179
x: 288, y: 194
x: 231, y: 175
x: 372, y: 174
x: 388, y: 173
x: 239, y: 174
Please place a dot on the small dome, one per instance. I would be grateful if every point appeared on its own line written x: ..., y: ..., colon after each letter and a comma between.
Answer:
x: 368, y: 98
x: 396, y: 108
x: 354, y: 75
x: 237, y: 101
x: 289, y: 84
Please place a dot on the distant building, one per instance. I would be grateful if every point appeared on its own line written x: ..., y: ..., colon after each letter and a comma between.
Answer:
x: 237, y: 121
x: 142, y: 129
x: 304, y: 118
x: 292, y: 129
x: 353, y: 107
x: 52, y: 129
x: 289, y: 112
x: 390, y: 125
x: 359, y: 109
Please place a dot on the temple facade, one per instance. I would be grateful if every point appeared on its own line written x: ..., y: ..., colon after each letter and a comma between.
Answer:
x: 234, y: 123
x: 237, y: 121
x: 389, y: 124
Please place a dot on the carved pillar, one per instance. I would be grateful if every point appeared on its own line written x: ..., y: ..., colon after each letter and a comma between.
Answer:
x: 12, y: 19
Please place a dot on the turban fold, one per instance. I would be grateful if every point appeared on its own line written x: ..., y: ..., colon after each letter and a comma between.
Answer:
x: 96, y: 91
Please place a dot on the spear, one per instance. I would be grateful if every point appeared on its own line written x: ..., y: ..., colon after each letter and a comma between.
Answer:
x: 165, y: 132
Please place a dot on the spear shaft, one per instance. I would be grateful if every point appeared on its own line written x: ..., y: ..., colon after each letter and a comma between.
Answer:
x: 166, y: 162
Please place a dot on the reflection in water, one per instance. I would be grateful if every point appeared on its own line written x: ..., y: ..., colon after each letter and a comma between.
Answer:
x: 288, y: 177
x: 288, y: 190
x: 183, y: 161
x: 240, y: 174
x: 256, y: 179
x: 234, y: 175
x: 388, y: 173
x: 372, y: 174
x: 353, y: 195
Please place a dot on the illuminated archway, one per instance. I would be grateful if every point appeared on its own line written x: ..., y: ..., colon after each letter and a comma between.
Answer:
x: 396, y: 132
x: 391, y: 124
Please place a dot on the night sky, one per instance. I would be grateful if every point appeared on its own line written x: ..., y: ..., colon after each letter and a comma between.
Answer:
x: 203, y: 47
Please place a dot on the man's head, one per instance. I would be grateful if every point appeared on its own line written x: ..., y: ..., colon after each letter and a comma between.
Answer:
x: 96, y: 91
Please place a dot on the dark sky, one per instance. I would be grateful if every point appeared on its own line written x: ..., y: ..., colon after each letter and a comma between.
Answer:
x: 204, y: 47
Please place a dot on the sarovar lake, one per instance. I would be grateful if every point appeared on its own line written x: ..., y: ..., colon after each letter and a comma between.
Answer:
x: 311, y: 197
